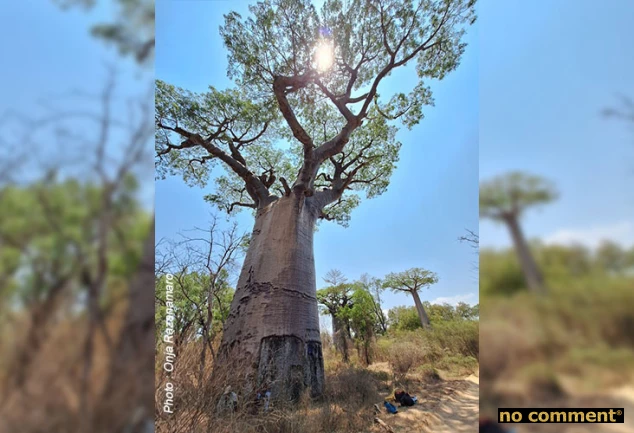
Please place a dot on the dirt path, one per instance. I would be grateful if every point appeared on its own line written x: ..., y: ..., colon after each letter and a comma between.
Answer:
x: 450, y: 406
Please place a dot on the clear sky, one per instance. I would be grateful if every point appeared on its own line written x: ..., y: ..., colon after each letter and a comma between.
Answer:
x: 547, y: 69
x: 432, y: 197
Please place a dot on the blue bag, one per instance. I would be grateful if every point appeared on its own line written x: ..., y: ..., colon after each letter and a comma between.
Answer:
x: 390, y: 407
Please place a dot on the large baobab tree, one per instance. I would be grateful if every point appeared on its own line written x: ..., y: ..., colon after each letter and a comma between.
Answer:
x: 411, y: 281
x: 300, y: 136
x: 505, y: 199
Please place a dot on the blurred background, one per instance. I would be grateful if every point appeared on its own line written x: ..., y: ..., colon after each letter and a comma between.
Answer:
x: 76, y: 216
x: 556, y: 207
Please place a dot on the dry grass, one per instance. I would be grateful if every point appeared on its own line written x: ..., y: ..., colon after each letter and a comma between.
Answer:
x: 348, y: 402
x: 347, y: 405
x: 577, y: 340
x: 50, y: 398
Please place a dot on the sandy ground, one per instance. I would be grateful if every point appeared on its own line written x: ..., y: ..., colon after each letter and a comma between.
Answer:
x: 449, y: 406
x: 452, y: 406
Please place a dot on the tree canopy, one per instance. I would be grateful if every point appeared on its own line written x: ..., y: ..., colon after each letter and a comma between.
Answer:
x: 50, y: 242
x: 306, y: 116
x: 410, y: 280
x: 509, y: 195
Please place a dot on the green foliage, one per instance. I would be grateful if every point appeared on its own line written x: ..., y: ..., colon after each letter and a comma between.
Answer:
x: 337, y: 139
x: 374, y: 286
x: 512, y: 193
x: 335, y: 298
x: 500, y: 273
x: 410, y: 280
x: 403, y: 319
x: 581, y: 329
x: 613, y: 258
x: 457, y: 337
x: 406, y: 318
x: 360, y: 314
x: 281, y: 36
x: 439, y: 313
x: 452, y: 346
x: 49, y: 233
x: 233, y: 120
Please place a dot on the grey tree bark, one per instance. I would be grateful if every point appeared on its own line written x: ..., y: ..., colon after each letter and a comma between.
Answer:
x: 273, y: 324
x: 422, y: 314
x: 340, y: 337
x: 532, y: 274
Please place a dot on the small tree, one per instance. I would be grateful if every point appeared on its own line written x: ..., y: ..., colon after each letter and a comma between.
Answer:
x: 374, y: 286
x: 403, y: 318
x: 335, y: 299
x: 411, y: 281
x: 467, y: 312
x: 505, y: 199
x: 362, y: 321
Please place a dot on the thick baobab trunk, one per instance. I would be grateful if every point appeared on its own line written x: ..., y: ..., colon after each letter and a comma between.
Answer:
x: 532, y: 275
x: 273, y: 327
x: 340, y: 336
x: 422, y: 314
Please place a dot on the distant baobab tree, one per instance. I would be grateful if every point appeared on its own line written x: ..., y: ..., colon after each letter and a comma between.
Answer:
x: 411, y: 281
x: 505, y: 199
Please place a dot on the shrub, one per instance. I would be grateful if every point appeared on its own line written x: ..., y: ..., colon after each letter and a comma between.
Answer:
x: 352, y: 385
x: 403, y: 355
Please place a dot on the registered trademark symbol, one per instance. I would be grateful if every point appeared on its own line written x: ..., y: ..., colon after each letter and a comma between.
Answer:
x: 618, y: 412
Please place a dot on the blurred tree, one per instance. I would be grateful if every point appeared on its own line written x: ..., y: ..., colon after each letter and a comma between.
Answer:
x: 505, y: 199
x: 83, y: 250
x: 310, y: 78
x: 500, y: 273
x: 72, y: 237
x: 51, y: 250
x: 560, y: 262
x: 612, y: 257
x: 411, y: 281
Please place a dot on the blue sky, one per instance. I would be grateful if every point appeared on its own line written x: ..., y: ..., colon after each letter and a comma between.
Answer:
x: 49, y: 53
x: 432, y: 197
x: 547, y: 69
